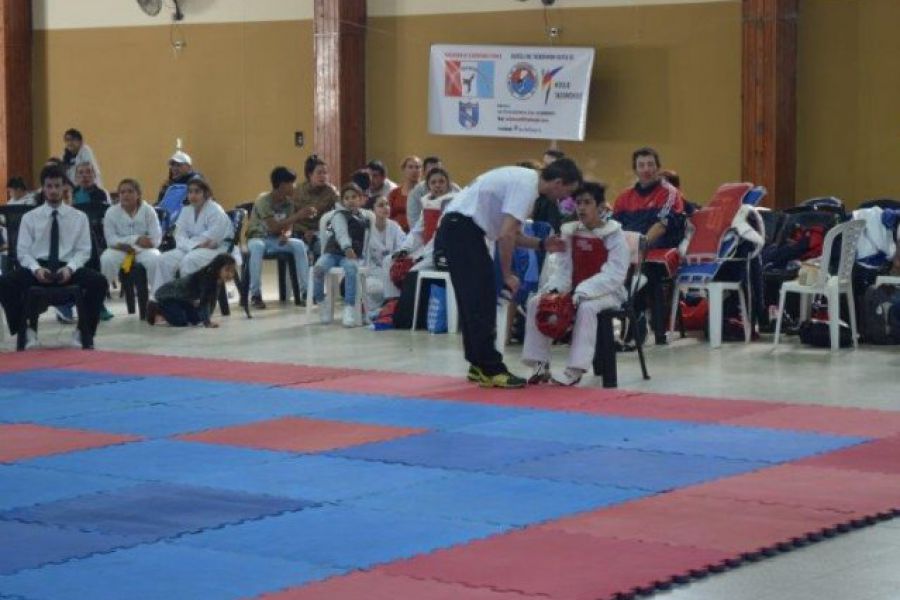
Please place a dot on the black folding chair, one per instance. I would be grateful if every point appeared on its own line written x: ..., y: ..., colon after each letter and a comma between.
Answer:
x: 605, y: 348
x: 12, y: 216
x: 286, y: 267
x: 237, y: 217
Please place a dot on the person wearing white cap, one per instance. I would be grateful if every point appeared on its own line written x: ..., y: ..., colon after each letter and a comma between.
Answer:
x: 181, y: 171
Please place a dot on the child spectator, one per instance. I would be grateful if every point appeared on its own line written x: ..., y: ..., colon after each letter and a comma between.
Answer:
x: 343, y: 246
x: 190, y: 300
x: 593, y: 267
x: 385, y: 238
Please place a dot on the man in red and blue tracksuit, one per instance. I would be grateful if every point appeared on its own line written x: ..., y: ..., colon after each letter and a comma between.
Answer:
x: 655, y: 208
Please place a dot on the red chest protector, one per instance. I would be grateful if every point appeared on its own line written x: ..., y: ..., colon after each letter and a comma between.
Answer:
x: 588, y: 257
x: 431, y: 216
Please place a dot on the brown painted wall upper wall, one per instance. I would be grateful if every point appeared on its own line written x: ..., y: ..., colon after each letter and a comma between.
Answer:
x: 848, y: 130
x: 235, y: 96
x: 666, y: 76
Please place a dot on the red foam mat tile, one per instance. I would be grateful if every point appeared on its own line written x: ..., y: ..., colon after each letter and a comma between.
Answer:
x: 390, y: 384
x: 827, y: 419
x: 533, y: 396
x: 879, y: 456
x: 43, y: 359
x: 23, y: 441
x: 564, y: 566
x: 681, y: 408
x: 702, y: 522
x: 854, y: 492
x: 379, y: 586
x: 293, y: 434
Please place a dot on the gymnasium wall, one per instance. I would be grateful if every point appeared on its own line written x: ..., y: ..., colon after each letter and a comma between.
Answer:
x: 666, y: 74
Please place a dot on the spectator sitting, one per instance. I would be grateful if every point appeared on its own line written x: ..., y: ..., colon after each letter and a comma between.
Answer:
x: 87, y: 191
x: 317, y: 193
x: 190, y: 300
x: 271, y: 221
x: 181, y: 171
x: 53, y: 246
x: 385, y: 238
x: 379, y: 184
x: 17, y: 192
x: 414, y: 201
x: 77, y: 152
x: 200, y: 234
x: 344, y: 245
x: 655, y: 208
x: 593, y: 267
x: 131, y: 229
x: 412, y: 171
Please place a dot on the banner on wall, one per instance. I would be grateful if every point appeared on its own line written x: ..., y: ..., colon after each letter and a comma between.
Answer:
x: 509, y: 91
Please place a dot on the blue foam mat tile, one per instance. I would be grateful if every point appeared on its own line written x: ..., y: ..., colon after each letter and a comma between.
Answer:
x: 21, y: 485
x: 157, y: 420
x: 156, y: 460
x: 56, y: 379
x: 579, y: 428
x: 450, y: 450
x: 319, y: 478
x: 42, y: 407
x: 163, y: 570
x: 744, y: 443
x: 274, y: 402
x: 431, y: 414
x: 651, y: 471
x: 341, y: 536
x: 32, y: 545
x: 497, y: 499
x: 151, y: 390
x: 153, y: 511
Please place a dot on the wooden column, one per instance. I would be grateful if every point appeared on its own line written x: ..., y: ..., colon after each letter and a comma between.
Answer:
x: 15, y: 89
x: 769, y: 91
x: 340, y: 102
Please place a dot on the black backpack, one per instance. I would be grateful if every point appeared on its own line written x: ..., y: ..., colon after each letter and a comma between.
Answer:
x: 877, y: 327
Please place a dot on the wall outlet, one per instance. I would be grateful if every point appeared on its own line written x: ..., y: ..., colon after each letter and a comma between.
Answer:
x: 298, y: 139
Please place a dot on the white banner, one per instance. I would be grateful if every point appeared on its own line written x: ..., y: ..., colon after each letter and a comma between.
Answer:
x: 509, y: 91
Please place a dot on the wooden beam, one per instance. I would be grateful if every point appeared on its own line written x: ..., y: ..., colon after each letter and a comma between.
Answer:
x: 15, y: 89
x: 769, y: 98
x: 340, y: 101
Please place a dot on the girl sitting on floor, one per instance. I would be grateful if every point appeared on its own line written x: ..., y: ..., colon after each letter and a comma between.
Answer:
x: 190, y: 300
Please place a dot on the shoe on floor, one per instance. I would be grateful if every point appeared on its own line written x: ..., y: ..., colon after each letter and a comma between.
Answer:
x: 105, y: 315
x: 76, y: 339
x: 257, y: 303
x: 475, y: 374
x: 31, y: 339
x: 152, y: 312
x: 540, y: 373
x: 65, y: 314
x: 503, y: 380
x: 349, y: 319
x: 569, y: 377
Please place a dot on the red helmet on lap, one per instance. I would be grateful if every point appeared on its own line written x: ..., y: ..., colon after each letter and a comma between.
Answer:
x: 399, y: 270
x: 555, y: 315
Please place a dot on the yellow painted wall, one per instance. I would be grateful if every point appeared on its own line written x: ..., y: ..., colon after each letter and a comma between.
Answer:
x: 235, y: 96
x: 848, y: 94
x: 666, y: 76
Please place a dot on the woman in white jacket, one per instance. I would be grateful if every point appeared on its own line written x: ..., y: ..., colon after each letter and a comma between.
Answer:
x: 130, y: 227
x: 593, y: 240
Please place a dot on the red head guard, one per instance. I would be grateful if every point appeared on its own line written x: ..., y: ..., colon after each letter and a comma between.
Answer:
x: 555, y: 315
x: 399, y: 270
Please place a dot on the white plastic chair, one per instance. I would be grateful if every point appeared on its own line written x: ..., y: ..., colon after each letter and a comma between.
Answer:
x: 452, y: 311
x: 829, y: 285
x: 332, y: 291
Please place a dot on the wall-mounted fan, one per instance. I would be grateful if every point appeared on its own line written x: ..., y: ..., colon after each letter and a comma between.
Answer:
x: 151, y: 7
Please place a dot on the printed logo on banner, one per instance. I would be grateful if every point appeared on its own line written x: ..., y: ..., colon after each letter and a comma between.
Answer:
x: 547, y: 81
x: 468, y: 114
x: 522, y: 81
x: 469, y: 78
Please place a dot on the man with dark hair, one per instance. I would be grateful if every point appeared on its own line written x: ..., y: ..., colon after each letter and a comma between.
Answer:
x: 414, y: 201
x: 379, y: 184
x: 271, y: 222
x: 655, y: 208
x: 494, y: 206
x: 545, y: 209
x: 53, y: 246
x: 552, y: 154
x: 17, y: 191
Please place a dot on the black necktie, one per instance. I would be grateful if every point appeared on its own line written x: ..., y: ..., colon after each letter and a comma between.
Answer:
x: 53, y: 259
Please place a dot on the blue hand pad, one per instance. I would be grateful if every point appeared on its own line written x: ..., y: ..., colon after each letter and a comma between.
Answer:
x: 57, y: 379
x: 341, y: 536
x: 21, y: 485
x: 163, y: 570
x: 455, y: 451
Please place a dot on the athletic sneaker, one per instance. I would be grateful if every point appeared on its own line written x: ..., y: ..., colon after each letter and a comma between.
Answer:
x: 257, y: 303
x: 31, y: 338
x: 503, y: 380
x: 475, y: 374
x: 65, y: 314
x: 569, y: 377
x: 105, y: 315
x: 349, y: 319
x: 540, y: 373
